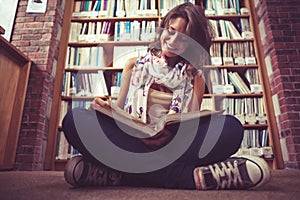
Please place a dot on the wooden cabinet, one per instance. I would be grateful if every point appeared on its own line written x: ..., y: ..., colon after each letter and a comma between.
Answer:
x: 14, y: 73
x: 236, y: 77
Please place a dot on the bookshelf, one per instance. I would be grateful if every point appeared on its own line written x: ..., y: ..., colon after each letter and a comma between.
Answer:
x: 236, y: 50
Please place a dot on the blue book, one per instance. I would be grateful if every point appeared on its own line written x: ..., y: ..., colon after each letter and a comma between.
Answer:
x: 237, y: 4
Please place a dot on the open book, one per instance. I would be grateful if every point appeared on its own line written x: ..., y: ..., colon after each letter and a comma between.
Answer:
x: 146, y: 130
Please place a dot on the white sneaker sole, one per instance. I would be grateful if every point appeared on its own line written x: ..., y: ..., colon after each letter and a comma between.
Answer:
x: 73, y: 169
x: 264, y: 168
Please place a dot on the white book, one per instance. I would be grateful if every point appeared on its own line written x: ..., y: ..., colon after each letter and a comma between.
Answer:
x: 224, y: 29
x: 233, y: 32
x: 110, y: 8
x: 63, y: 146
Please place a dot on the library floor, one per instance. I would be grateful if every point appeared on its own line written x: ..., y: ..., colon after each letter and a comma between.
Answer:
x: 44, y: 185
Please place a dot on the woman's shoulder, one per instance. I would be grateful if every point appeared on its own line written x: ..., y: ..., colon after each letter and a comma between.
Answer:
x: 130, y: 63
x: 137, y: 61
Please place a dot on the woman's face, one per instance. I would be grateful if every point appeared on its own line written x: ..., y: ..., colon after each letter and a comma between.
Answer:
x: 173, y: 39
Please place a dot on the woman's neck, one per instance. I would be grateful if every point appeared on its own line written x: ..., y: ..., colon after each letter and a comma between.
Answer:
x: 172, y: 61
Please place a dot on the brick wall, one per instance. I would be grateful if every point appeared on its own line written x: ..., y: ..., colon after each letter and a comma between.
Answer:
x: 37, y: 35
x: 279, y: 23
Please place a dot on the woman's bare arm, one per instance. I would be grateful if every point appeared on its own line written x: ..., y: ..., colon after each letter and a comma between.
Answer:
x: 198, y: 92
x: 126, y: 75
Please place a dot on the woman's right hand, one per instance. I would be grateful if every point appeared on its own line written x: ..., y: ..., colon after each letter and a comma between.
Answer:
x: 99, y: 102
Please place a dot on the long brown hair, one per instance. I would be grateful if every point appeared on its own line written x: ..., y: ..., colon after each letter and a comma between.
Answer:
x: 198, y: 29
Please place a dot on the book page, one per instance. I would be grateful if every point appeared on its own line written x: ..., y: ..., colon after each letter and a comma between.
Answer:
x: 145, y: 130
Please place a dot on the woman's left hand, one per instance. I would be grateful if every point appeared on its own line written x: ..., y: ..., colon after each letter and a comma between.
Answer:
x: 99, y: 102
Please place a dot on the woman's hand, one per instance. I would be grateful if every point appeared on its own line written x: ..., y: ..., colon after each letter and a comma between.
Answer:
x: 99, y: 102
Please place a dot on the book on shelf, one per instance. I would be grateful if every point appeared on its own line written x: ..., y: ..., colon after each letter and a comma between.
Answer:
x: 227, y: 86
x: 227, y: 50
x: 222, y: 7
x: 215, y: 53
x: 91, y: 31
x: 144, y: 129
x: 93, y: 9
x: 85, y: 57
x: 84, y: 84
x: 62, y: 146
x: 238, y: 53
x: 249, y: 53
x: 255, y: 142
x: 98, y: 86
x: 245, y: 28
x: 216, y: 82
x: 167, y: 5
x: 232, y: 30
x: 117, y: 8
x: 64, y: 106
x: 239, y: 110
x: 247, y: 110
x: 64, y: 150
x: 253, y: 79
x: 232, y: 53
x: 225, y: 29
x: 207, y: 104
x: 238, y: 83
x: 147, y: 8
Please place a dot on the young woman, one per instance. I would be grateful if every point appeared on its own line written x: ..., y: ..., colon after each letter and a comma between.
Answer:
x: 195, y: 154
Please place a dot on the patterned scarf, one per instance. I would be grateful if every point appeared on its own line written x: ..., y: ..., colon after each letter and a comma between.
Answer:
x: 153, y: 69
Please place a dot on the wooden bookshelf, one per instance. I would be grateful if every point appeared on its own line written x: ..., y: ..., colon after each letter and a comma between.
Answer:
x: 265, y: 95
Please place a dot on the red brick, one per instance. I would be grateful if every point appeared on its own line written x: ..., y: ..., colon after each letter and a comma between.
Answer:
x: 33, y: 25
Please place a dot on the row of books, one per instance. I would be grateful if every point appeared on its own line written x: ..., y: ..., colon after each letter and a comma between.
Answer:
x: 63, y: 149
x: 228, y: 82
x: 67, y: 105
x: 254, y: 138
x: 123, y: 8
x: 247, y: 110
x: 115, y: 8
x: 223, y: 7
x: 90, y: 31
x: 135, y: 31
x: 95, y: 57
x: 232, y: 53
x: 167, y: 5
x: 255, y: 142
x: 85, y: 57
x: 134, y: 8
x: 102, y: 31
x: 84, y: 84
x: 225, y: 29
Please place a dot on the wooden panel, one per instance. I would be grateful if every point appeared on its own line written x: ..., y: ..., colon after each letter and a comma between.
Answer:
x: 264, y: 79
x: 2, y: 30
x: 14, y: 73
x: 51, y: 144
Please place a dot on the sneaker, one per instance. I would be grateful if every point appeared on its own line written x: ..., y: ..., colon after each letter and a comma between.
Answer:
x: 234, y: 173
x: 80, y: 172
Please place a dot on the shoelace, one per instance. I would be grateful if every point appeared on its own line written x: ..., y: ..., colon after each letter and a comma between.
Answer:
x: 101, y: 176
x: 226, y: 175
x: 97, y: 175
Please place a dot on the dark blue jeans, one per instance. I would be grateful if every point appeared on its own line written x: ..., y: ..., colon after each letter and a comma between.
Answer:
x: 220, y: 137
